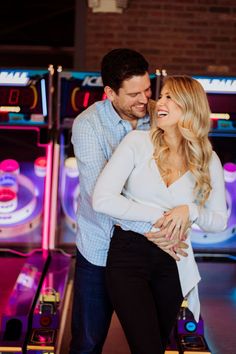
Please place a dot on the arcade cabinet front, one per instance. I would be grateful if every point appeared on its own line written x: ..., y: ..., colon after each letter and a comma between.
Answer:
x: 25, y: 179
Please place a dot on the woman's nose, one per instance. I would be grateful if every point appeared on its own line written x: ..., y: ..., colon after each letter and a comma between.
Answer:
x: 161, y: 101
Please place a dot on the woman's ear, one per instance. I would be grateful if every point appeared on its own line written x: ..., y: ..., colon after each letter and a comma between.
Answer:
x: 110, y: 93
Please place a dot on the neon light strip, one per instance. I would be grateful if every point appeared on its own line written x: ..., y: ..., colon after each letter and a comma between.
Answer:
x: 86, y: 99
x: 21, y: 128
x: 53, y: 215
x: 44, y: 98
x: 15, y: 109
x: 73, y: 99
x: 224, y: 116
x: 33, y: 88
x: 47, y: 198
x: 10, y: 349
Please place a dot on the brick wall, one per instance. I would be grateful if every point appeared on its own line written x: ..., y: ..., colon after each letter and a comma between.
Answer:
x: 183, y: 37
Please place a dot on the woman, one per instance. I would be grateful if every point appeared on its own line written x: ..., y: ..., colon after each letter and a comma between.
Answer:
x: 169, y: 174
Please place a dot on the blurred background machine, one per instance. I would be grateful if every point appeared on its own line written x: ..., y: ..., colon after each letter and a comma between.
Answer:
x: 25, y: 181
x: 34, y: 278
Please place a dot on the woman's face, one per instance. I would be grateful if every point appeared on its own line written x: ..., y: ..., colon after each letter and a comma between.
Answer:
x: 168, y: 112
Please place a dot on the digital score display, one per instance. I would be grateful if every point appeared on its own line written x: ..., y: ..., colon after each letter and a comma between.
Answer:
x: 78, y: 90
x: 24, y: 97
x: 221, y: 93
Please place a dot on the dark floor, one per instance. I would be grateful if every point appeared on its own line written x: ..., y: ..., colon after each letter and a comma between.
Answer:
x: 218, y: 305
x: 218, y: 309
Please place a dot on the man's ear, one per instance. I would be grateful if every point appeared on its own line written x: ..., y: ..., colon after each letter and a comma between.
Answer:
x: 110, y: 93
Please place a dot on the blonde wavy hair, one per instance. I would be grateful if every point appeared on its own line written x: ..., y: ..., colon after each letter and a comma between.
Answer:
x: 194, y: 127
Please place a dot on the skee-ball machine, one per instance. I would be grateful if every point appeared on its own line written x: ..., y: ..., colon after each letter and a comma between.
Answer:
x: 221, y: 246
x: 25, y: 179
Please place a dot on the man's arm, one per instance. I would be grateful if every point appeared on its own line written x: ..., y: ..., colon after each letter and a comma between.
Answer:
x: 91, y: 160
x: 89, y: 155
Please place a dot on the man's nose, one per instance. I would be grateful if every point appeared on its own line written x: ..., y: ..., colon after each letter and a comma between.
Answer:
x: 143, y: 97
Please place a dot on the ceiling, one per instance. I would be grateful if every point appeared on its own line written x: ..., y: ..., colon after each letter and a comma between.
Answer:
x: 37, y: 22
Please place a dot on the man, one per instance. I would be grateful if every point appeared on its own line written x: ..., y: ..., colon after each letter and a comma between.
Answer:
x: 96, y: 133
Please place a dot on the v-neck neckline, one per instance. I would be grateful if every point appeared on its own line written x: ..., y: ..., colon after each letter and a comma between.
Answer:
x: 174, y: 182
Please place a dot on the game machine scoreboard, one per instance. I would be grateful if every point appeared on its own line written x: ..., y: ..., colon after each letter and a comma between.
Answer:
x: 25, y: 182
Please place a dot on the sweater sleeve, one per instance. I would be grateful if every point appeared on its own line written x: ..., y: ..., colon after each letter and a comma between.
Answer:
x: 213, y: 216
x: 108, y: 198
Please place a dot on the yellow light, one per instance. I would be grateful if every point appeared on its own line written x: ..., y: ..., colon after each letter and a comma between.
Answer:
x: 15, y: 109
x: 224, y: 116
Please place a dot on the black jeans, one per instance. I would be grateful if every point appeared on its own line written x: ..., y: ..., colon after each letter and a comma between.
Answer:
x: 144, y: 287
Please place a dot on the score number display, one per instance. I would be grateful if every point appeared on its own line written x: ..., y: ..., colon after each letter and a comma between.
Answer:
x: 23, y: 97
x: 78, y: 90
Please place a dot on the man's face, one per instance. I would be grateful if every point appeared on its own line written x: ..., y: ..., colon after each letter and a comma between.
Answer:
x: 131, y: 100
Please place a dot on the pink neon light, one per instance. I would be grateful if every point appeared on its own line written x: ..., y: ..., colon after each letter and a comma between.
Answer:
x: 53, y: 209
x: 86, y: 99
x: 19, y: 128
x: 104, y: 96
x: 47, y: 197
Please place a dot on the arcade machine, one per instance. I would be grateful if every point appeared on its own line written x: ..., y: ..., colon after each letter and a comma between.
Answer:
x: 25, y: 180
x: 221, y: 94
x: 216, y: 247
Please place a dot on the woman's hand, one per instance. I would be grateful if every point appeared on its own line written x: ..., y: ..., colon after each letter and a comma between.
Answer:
x: 176, y: 222
x: 174, y: 248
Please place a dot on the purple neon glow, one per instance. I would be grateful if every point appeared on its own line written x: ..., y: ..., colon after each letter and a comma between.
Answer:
x: 230, y: 167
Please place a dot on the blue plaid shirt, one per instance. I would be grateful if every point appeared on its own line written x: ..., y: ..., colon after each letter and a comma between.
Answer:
x: 96, y: 132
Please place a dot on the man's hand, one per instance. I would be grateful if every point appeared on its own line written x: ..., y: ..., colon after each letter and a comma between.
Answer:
x: 177, y: 251
x: 172, y: 247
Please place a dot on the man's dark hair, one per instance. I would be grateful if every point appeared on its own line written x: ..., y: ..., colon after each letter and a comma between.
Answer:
x: 121, y: 64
